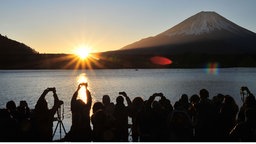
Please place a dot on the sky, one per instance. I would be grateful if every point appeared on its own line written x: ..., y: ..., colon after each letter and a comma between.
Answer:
x: 60, y: 26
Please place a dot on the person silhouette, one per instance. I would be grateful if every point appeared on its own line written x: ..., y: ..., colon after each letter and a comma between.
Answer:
x: 245, y: 131
x: 98, y: 119
x: 43, y: 117
x: 180, y: 124
x: 204, y: 109
x: 135, y: 111
x: 80, y: 130
x: 24, y: 123
x: 249, y: 102
x: 121, y: 116
x: 23, y: 110
x: 108, y: 108
x: 8, y: 123
x: 12, y: 109
x: 227, y: 117
x: 108, y: 133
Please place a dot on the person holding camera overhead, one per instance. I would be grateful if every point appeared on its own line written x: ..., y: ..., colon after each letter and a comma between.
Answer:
x: 80, y: 130
x: 121, y: 117
x: 43, y: 117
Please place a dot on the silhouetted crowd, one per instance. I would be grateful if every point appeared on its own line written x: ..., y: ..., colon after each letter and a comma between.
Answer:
x: 190, y: 119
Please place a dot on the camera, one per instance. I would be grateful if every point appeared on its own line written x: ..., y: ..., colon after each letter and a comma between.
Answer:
x: 158, y: 94
x: 122, y: 93
x: 52, y: 89
x: 244, y: 88
x: 84, y: 84
x: 60, y: 102
x: 23, y: 104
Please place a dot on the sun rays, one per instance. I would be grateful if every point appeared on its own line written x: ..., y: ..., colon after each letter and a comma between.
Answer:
x: 81, y: 58
x: 83, y: 52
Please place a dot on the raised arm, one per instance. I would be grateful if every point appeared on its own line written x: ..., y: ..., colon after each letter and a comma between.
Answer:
x: 89, y: 97
x: 40, y: 102
x: 74, y: 97
x: 150, y: 101
x: 57, y: 102
x: 128, y: 100
x: 42, y: 97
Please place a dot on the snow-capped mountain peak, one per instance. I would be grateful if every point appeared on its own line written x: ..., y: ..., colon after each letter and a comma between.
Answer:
x: 203, y: 22
x: 201, y: 29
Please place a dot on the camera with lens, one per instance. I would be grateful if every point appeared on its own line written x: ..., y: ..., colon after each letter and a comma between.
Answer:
x: 84, y: 84
x: 60, y: 102
x: 52, y: 89
x: 122, y: 93
x: 244, y: 88
x: 158, y: 94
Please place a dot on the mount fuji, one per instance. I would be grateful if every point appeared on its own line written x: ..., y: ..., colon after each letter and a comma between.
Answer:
x: 202, y: 33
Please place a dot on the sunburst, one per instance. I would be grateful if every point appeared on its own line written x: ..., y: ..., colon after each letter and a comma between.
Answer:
x: 83, y: 52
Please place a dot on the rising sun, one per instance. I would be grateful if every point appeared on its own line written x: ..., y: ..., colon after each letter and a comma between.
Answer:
x: 83, y: 52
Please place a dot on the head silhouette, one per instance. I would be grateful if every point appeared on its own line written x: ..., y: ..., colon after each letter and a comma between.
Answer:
x: 97, y: 106
x: 137, y: 102
x: 184, y: 98
x: 119, y: 100
x: 228, y: 99
x: 204, y: 94
x: 11, y: 106
x: 106, y: 100
x: 194, y: 99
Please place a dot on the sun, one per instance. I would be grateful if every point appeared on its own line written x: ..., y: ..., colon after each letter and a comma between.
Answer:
x: 83, y: 52
x: 82, y: 56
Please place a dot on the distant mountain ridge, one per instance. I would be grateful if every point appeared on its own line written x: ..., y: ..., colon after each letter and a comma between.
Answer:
x: 204, y: 32
x: 203, y: 39
x: 12, y: 47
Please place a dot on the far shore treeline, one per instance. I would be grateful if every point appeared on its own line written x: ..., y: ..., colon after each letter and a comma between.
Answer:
x: 116, y: 60
x: 16, y: 55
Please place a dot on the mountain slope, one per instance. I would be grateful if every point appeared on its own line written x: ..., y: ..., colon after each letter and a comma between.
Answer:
x: 12, y: 47
x: 205, y: 32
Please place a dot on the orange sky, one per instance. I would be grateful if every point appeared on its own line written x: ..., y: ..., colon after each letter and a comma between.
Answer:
x: 60, y: 26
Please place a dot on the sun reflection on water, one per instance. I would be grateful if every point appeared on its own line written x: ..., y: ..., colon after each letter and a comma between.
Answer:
x: 82, y: 92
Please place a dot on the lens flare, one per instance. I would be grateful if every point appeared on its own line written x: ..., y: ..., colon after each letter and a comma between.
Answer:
x: 212, y: 68
x: 160, y: 60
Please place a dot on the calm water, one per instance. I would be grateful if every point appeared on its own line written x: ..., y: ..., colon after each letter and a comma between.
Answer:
x: 29, y: 84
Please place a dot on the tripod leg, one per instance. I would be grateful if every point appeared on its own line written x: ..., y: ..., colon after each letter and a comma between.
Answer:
x: 63, y: 127
x: 60, y: 129
x: 55, y: 129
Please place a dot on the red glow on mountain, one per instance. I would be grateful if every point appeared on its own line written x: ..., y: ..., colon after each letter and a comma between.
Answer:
x: 160, y: 60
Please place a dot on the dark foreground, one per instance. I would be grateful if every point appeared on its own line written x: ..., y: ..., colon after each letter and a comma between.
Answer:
x: 191, y: 119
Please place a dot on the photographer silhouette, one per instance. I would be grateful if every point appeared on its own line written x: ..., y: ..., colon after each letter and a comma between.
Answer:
x: 249, y: 101
x: 43, y: 117
x: 245, y: 92
x: 80, y: 130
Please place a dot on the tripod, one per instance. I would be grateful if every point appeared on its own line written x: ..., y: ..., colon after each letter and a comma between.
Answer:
x: 60, y: 124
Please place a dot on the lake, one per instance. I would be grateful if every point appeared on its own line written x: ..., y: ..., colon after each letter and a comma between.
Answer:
x: 29, y: 84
